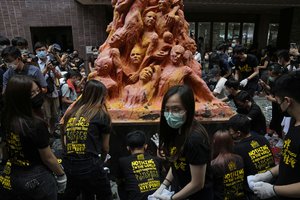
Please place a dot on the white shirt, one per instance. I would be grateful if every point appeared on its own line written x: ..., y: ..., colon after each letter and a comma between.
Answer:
x: 220, y: 88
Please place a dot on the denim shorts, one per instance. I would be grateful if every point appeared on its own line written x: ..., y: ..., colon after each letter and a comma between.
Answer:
x: 34, y: 183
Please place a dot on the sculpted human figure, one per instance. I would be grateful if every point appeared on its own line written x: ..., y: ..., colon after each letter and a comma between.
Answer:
x: 136, y: 57
x: 166, y: 17
x: 191, y: 48
x: 149, y: 37
x: 133, y: 23
x: 175, y: 73
x: 161, y: 50
x: 108, y: 71
x: 142, y: 91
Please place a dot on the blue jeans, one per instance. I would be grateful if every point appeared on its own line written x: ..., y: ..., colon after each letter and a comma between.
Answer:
x: 34, y: 183
x: 86, y: 176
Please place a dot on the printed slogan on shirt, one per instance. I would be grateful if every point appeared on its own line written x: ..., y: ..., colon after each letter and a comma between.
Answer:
x: 146, y: 174
x: 76, y: 135
x: 289, y: 157
x: 261, y: 157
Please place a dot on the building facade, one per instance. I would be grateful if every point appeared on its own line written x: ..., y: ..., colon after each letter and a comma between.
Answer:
x: 78, y: 24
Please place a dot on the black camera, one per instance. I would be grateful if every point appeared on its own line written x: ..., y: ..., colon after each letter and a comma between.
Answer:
x: 56, y: 48
x: 54, y: 62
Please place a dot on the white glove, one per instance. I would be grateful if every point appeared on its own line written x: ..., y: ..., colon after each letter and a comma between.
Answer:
x: 163, y: 197
x: 159, y: 190
x: 244, y: 82
x: 61, y: 183
x: 264, y: 190
x: 265, y: 177
x: 155, y: 139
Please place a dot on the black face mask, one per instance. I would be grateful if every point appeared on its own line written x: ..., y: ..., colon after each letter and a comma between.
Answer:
x: 37, y: 101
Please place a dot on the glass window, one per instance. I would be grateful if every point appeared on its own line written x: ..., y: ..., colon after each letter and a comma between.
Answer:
x: 272, y: 34
x: 203, y: 36
x: 248, y: 32
x: 233, y: 31
x: 192, y: 29
x: 218, y: 34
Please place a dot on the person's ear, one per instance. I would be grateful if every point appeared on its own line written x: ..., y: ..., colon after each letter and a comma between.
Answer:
x: 145, y: 146
x: 288, y: 100
x: 128, y: 148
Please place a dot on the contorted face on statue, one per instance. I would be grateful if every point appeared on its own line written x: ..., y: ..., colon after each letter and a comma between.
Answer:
x: 103, y: 66
x: 136, y: 55
x: 115, y: 40
x: 150, y: 19
x: 176, y: 54
x: 146, y: 74
x: 191, y: 45
x: 164, y: 5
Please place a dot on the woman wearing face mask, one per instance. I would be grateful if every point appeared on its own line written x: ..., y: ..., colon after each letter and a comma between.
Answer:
x: 185, y: 143
x: 87, y: 126
x: 32, y: 170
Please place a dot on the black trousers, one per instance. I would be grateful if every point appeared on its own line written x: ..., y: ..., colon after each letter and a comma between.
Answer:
x: 86, y: 176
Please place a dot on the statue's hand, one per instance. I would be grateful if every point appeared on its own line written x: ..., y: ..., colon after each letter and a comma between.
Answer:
x: 218, y: 102
x: 170, y: 18
x: 133, y: 78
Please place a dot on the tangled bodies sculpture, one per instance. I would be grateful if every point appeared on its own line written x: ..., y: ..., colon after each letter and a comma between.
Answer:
x: 148, y: 50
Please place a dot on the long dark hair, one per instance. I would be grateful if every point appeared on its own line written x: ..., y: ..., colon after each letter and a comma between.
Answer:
x: 17, y: 104
x: 168, y: 136
x: 223, y: 150
x: 90, y: 104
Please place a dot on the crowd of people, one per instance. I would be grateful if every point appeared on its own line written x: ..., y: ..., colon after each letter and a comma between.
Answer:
x: 48, y: 87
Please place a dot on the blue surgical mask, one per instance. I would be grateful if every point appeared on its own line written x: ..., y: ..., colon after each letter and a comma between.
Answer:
x: 175, y: 120
x: 41, y: 54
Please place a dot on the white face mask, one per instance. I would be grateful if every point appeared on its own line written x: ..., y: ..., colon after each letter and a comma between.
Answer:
x: 77, y: 82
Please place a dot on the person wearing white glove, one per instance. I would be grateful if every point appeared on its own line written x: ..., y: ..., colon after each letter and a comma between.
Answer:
x: 244, y: 82
x: 190, y: 157
x: 264, y: 190
x: 287, y: 184
x: 31, y: 163
x: 246, y: 69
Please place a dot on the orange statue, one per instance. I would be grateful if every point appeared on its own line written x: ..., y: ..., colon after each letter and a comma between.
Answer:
x: 147, y: 51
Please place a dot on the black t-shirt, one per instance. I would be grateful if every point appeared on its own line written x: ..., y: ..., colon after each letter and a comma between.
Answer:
x: 257, y: 155
x: 262, y: 62
x: 228, y: 178
x: 246, y: 68
x: 289, y: 167
x: 258, y: 120
x: 140, y: 174
x: 23, y: 147
x: 85, y: 138
x: 195, y: 152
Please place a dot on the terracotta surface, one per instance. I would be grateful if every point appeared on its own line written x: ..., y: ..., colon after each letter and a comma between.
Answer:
x: 147, y: 51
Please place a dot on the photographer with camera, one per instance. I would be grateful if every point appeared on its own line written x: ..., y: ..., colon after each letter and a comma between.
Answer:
x: 76, y: 62
x: 49, y: 67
